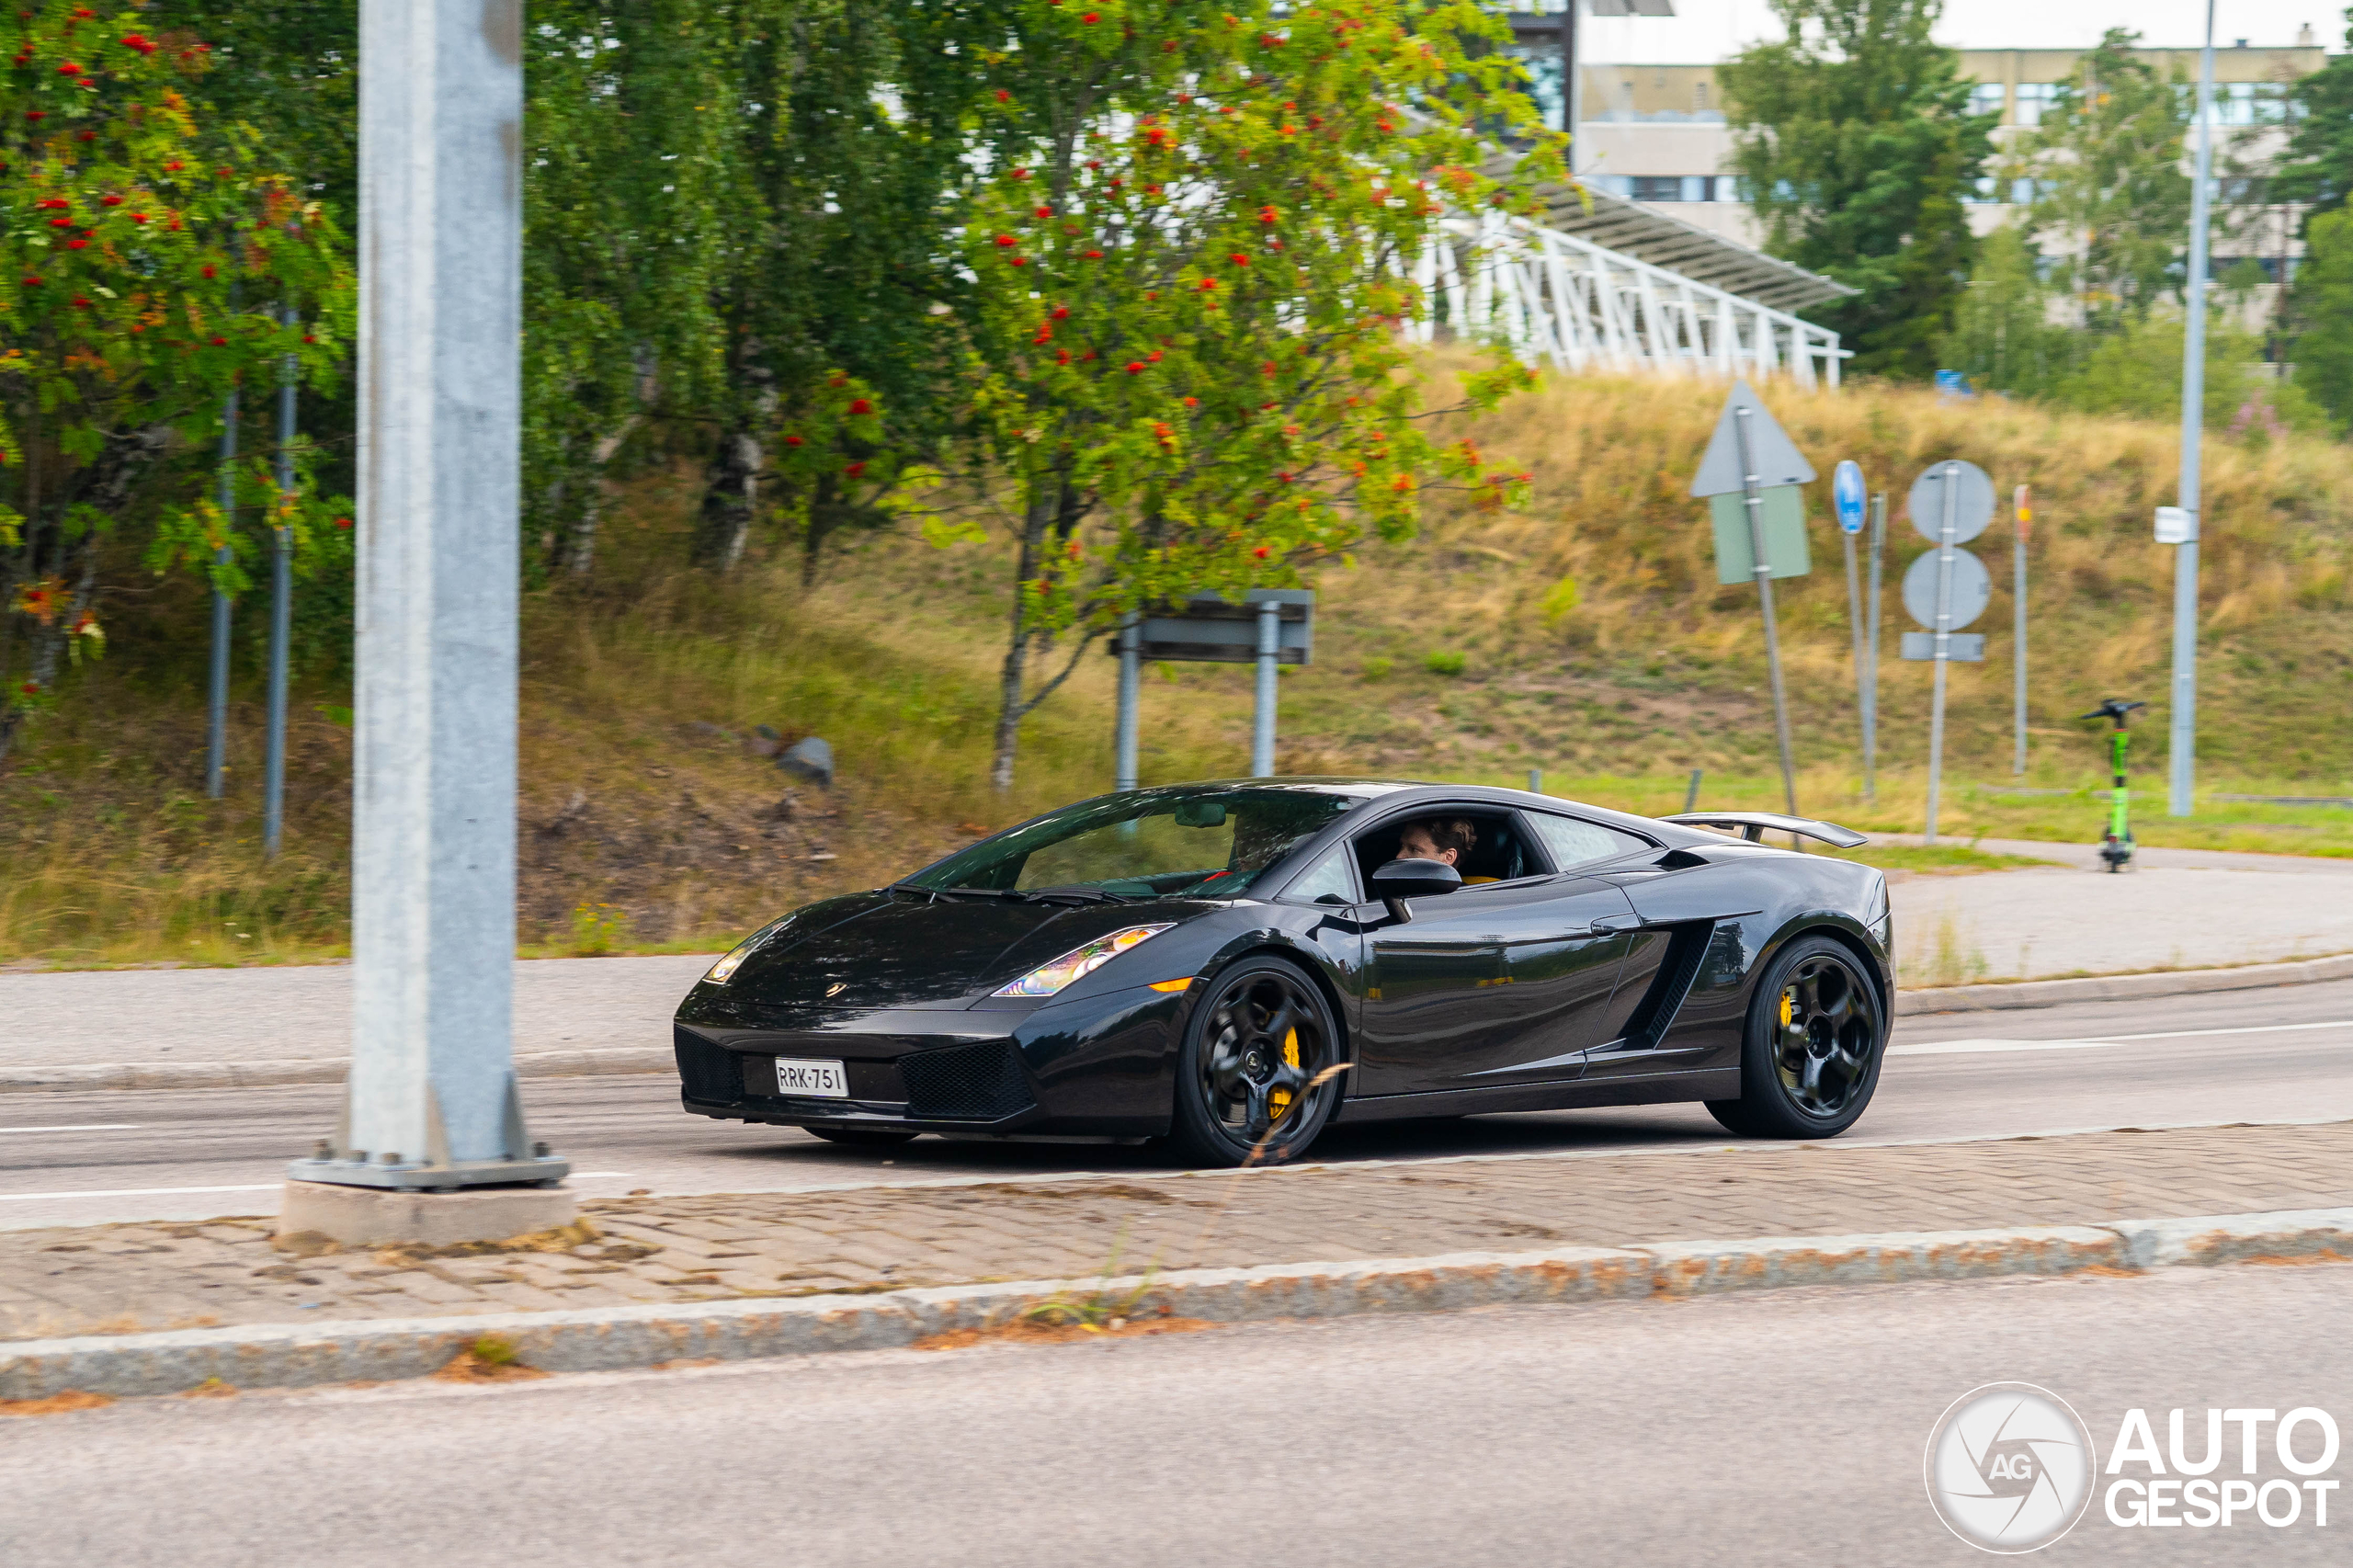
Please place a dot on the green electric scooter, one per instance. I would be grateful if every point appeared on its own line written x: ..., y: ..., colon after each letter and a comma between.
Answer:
x: 2116, y: 844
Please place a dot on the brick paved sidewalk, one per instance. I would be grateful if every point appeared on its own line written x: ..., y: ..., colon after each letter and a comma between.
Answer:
x: 130, y: 1278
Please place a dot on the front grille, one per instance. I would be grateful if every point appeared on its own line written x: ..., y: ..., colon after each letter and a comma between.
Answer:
x: 965, y: 1083
x: 706, y: 1071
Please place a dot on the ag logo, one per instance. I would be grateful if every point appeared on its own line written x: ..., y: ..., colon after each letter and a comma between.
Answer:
x: 2009, y: 1467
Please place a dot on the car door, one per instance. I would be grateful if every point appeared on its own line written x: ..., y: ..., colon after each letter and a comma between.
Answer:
x: 1494, y: 984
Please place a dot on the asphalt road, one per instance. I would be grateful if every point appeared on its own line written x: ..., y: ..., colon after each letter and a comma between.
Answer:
x: 91, y: 1158
x: 1783, y: 1428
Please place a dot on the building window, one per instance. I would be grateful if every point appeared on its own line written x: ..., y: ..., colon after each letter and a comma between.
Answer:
x: 1659, y: 187
x: 1986, y: 97
x: 1727, y: 188
x: 2033, y: 99
x: 1699, y: 98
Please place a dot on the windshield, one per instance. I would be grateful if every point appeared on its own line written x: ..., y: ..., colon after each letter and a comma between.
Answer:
x: 1207, y: 843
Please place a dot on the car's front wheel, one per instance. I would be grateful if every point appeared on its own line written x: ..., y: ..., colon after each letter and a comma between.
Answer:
x: 1256, y: 1079
x: 1809, y: 1058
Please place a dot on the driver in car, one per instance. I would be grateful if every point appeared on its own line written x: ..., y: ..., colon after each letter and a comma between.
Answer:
x: 1447, y: 839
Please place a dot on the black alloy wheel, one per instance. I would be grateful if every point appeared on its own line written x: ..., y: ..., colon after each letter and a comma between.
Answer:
x: 863, y: 1137
x: 1810, y: 1057
x: 1246, y: 1088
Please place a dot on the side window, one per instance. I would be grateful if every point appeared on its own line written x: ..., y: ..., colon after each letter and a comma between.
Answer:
x: 1574, y: 843
x: 1331, y: 880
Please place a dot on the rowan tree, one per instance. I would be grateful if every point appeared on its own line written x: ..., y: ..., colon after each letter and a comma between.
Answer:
x: 1192, y: 252
x: 144, y: 260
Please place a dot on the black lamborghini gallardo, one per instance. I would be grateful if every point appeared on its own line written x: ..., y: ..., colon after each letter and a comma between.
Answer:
x: 1237, y: 965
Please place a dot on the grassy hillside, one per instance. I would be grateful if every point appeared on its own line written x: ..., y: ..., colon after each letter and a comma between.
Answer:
x: 646, y: 821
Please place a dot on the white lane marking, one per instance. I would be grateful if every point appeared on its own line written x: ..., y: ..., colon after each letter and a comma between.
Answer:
x: 173, y: 1191
x: 1956, y: 1046
x: 1970, y: 1047
x: 87, y: 1126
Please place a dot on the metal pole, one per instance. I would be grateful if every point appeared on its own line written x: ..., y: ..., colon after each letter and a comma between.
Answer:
x: 1870, y: 663
x: 432, y: 1102
x: 1535, y: 780
x: 216, y: 708
x: 1855, y: 628
x: 1691, y: 793
x: 2183, y: 747
x: 1944, y: 641
x: 281, y: 612
x: 1572, y: 92
x: 1130, y: 692
x: 1764, y: 570
x: 2020, y: 512
x: 1262, y: 717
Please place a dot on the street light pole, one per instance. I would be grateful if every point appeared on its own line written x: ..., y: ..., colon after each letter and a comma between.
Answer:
x: 2183, y: 748
x: 431, y: 1105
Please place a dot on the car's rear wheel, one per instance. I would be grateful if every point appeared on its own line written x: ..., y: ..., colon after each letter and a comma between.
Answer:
x: 1810, y: 1057
x: 1255, y: 1079
x: 862, y: 1137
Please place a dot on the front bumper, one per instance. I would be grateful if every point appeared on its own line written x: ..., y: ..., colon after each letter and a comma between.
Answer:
x: 1103, y: 1067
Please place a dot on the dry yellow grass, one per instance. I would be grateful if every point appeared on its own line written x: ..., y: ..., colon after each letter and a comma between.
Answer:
x: 645, y: 823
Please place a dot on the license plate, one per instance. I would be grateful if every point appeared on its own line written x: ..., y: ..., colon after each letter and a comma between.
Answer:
x: 810, y: 1080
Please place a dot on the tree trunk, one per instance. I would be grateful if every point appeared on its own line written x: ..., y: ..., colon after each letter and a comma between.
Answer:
x: 729, y: 501
x: 1036, y: 519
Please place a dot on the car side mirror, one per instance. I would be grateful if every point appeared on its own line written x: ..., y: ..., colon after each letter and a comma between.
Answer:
x: 1398, y: 880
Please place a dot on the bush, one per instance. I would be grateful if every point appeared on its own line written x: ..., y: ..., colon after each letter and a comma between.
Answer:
x: 1444, y: 662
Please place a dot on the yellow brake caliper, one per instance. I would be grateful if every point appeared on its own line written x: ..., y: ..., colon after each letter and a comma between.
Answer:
x: 1788, y: 1007
x: 1281, y: 1098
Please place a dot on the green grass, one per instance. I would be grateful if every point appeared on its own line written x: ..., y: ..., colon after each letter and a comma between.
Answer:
x: 646, y: 827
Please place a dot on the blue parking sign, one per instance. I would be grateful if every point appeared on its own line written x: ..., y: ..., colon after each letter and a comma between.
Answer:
x: 1846, y: 495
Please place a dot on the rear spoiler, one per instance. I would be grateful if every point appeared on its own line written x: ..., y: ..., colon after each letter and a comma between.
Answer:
x: 1754, y: 825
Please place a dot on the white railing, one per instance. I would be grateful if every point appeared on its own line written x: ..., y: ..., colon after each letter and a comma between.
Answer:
x: 1555, y: 297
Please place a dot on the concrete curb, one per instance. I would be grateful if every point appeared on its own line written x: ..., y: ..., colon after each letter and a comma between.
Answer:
x: 658, y: 1059
x: 321, y: 1070
x: 2119, y: 987
x: 610, y: 1338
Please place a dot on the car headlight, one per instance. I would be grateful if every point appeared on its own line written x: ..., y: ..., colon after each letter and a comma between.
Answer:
x: 718, y: 972
x: 1049, y: 978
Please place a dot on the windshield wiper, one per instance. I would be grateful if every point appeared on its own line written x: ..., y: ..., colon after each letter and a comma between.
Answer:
x: 1076, y: 895
x: 935, y: 894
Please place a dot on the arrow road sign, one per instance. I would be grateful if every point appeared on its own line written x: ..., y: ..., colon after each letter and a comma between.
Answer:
x: 1973, y: 589
x: 1846, y: 495
x: 1776, y: 456
x: 1973, y: 502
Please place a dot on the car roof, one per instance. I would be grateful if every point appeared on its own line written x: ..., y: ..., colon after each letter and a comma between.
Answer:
x: 1409, y: 792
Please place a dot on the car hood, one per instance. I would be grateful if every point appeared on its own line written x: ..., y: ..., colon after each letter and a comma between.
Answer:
x: 905, y: 950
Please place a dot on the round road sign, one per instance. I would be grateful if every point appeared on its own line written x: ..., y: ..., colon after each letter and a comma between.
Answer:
x: 1973, y: 590
x: 1846, y: 495
x: 1973, y: 501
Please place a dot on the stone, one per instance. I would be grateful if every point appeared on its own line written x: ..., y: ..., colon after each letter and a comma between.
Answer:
x: 809, y: 758
x: 372, y: 1216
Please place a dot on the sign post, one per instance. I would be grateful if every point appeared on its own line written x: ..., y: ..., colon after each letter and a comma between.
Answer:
x: 1870, y: 661
x: 1950, y: 505
x: 1270, y: 628
x: 2024, y: 516
x: 1847, y: 498
x: 2182, y: 749
x: 1750, y: 455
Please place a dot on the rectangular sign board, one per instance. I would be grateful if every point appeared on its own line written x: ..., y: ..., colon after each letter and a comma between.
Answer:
x: 1785, y: 547
x: 1968, y: 646
x: 1211, y: 629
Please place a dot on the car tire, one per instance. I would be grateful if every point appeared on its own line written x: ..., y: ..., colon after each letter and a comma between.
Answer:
x: 1810, y: 1058
x: 1247, y: 1072
x: 862, y: 1137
